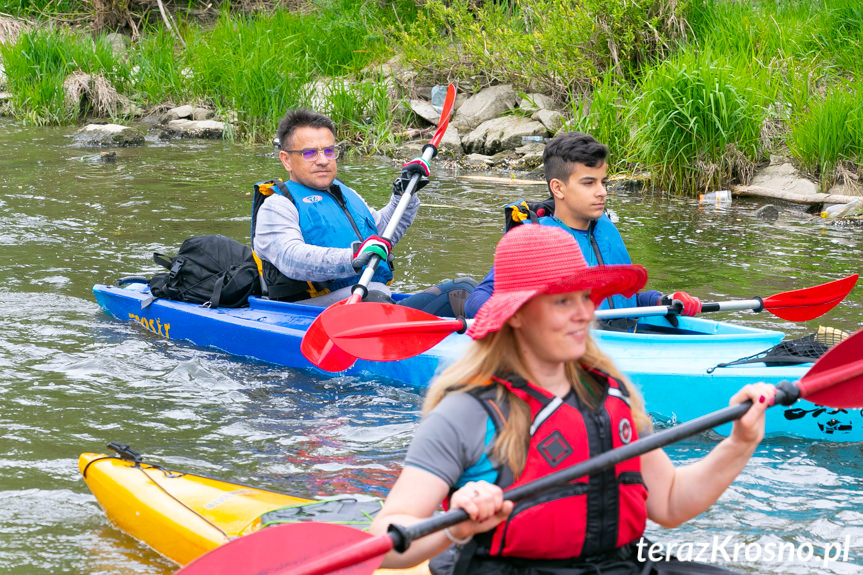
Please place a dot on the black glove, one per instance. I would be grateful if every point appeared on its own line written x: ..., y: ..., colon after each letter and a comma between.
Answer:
x: 691, y: 305
x: 374, y: 245
x: 415, y: 166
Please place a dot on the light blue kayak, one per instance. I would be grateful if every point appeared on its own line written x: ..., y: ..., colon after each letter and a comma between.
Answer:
x: 673, y: 367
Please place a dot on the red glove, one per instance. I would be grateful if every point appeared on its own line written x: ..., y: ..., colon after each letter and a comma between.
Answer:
x: 691, y: 304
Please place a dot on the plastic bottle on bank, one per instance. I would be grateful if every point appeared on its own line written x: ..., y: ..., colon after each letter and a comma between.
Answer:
x: 717, y: 197
x: 840, y: 210
x: 438, y: 97
x: 532, y: 139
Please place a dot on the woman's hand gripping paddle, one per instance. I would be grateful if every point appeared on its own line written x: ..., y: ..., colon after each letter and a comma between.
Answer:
x: 386, y: 332
x: 317, y: 346
x: 836, y: 380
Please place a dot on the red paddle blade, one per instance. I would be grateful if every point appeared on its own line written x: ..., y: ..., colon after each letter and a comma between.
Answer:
x: 836, y: 379
x: 319, y: 349
x: 296, y: 549
x: 386, y: 332
x: 317, y: 346
x: 809, y: 303
x: 446, y: 111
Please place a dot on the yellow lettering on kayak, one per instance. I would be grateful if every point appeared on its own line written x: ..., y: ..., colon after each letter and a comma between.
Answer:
x: 149, y: 324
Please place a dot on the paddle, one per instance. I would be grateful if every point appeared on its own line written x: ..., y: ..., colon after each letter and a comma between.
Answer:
x: 316, y: 345
x: 386, y: 332
x: 836, y: 380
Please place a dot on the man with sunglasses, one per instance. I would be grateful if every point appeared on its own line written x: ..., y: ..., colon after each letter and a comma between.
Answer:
x: 313, y: 234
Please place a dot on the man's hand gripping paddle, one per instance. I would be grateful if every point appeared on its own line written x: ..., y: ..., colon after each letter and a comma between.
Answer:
x: 317, y: 346
x: 836, y: 380
x: 386, y: 332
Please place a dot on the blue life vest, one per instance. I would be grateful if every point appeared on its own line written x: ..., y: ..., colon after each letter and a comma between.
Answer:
x: 600, y: 244
x: 333, y: 218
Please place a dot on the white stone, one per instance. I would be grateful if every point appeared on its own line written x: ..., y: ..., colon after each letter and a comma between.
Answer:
x: 478, y: 160
x: 536, y: 101
x: 451, y: 142
x: 784, y: 177
x: 425, y: 111
x: 202, y: 114
x: 551, y: 119
x: 179, y: 113
x: 499, y: 134
x: 118, y: 42
x: 104, y: 128
x: 485, y: 105
x: 197, y: 128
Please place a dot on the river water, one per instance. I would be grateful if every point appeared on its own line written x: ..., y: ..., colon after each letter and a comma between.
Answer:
x: 72, y: 379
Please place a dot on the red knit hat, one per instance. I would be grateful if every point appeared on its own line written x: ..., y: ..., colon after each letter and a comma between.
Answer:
x: 535, y: 259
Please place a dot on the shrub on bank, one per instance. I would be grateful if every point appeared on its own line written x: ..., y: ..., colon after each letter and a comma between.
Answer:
x: 555, y: 46
x: 698, y: 123
x: 263, y: 65
x: 805, y: 57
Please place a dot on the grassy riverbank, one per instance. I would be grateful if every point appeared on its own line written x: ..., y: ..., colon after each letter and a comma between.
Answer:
x: 695, y: 91
x: 255, y: 66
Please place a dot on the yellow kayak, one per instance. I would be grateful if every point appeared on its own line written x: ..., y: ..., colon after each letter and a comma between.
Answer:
x: 180, y: 515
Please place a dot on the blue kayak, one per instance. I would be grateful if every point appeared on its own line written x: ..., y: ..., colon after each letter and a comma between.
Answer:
x: 675, y: 367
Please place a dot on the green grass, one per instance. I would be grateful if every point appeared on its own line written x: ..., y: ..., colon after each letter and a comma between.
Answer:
x: 804, y: 56
x: 258, y: 66
x: 369, y: 111
x: 40, y: 7
x: 696, y: 91
x: 698, y: 122
x: 39, y: 62
x: 828, y: 133
x: 262, y: 66
x: 156, y: 69
x: 603, y: 113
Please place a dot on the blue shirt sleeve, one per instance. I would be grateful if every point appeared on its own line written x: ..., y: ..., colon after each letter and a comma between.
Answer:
x: 647, y: 298
x: 479, y: 295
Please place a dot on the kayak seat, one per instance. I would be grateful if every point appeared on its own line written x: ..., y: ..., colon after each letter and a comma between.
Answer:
x: 445, y: 299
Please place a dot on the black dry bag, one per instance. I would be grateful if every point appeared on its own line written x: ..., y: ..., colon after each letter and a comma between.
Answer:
x: 213, y: 270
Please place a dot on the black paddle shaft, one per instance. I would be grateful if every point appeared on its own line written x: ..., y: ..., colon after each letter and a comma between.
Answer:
x: 756, y: 304
x: 786, y: 394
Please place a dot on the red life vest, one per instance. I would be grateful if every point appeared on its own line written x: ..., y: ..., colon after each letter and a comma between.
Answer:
x: 589, y: 515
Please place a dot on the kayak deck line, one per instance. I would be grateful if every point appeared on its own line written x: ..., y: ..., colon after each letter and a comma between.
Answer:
x: 674, y: 367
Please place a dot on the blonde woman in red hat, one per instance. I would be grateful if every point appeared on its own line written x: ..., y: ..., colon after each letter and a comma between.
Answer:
x: 534, y: 394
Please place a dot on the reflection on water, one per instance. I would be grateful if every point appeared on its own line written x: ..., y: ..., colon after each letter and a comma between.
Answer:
x: 72, y: 380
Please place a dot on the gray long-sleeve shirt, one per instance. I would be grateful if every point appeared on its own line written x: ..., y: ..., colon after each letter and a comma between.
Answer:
x: 279, y: 240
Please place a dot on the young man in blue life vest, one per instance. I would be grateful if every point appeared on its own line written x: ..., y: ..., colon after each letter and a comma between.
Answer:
x: 314, y: 235
x: 576, y: 173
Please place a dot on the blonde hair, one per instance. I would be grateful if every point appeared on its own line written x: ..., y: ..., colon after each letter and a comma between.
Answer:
x: 498, y: 351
